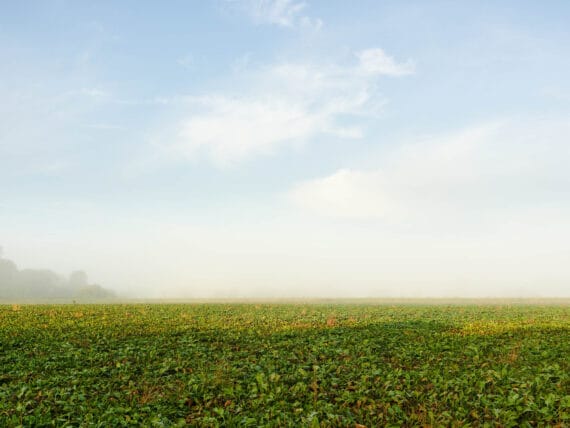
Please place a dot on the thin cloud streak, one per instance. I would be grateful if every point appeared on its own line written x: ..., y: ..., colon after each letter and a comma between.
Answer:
x: 282, y: 104
x: 282, y: 13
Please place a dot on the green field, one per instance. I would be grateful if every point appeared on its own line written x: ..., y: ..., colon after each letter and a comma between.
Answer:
x: 293, y: 364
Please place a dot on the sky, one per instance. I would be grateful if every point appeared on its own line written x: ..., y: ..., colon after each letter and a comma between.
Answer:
x: 289, y: 148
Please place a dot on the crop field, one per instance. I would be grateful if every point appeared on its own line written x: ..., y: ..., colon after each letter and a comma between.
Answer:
x: 341, y: 365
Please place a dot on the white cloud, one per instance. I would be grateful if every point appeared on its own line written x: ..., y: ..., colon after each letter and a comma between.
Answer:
x: 284, y: 103
x: 236, y: 128
x: 346, y: 193
x: 376, y: 61
x: 499, y: 169
x: 283, y: 13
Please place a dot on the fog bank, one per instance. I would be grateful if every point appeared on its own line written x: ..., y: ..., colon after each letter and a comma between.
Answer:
x: 30, y: 285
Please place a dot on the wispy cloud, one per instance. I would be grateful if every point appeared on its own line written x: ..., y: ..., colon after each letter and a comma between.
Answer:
x: 345, y: 193
x: 482, y: 171
x: 233, y: 129
x: 283, y: 13
x: 95, y: 93
x: 280, y: 104
x: 376, y: 61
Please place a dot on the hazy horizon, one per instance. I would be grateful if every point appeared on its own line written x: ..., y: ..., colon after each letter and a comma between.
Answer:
x: 289, y: 148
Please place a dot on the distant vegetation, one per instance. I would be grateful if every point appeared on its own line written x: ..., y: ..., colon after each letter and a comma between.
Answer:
x: 285, y: 365
x: 44, y: 285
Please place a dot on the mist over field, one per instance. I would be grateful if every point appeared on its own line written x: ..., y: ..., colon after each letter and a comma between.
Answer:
x: 44, y: 285
x: 285, y: 149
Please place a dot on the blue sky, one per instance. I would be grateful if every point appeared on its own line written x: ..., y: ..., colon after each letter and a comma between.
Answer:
x: 289, y: 148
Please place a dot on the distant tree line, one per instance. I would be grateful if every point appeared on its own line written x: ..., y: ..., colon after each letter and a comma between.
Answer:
x: 43, y: 284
